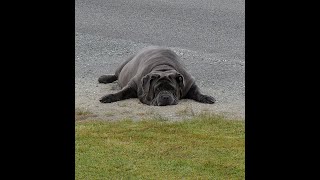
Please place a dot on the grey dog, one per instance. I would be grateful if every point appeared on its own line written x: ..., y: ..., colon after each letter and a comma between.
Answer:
x: 155, y: 76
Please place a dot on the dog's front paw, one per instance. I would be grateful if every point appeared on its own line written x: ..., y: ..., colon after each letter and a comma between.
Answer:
x: 207, y: 99
x: 107, y: 98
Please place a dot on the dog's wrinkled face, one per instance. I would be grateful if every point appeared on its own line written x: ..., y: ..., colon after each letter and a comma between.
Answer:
x: 162, y: 88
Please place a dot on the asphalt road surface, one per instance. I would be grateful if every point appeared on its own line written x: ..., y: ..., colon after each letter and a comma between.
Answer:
x: 208, y: 35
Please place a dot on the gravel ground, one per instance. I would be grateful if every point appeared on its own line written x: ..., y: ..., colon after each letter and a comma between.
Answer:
x: 209, y: 39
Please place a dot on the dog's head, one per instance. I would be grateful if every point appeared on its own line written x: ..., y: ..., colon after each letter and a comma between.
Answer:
x: 162, y: 88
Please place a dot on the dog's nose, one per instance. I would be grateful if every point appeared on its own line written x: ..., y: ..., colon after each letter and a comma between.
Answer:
x: 165, y: 97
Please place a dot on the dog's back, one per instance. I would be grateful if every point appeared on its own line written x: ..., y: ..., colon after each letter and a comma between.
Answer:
x: 144, y: 61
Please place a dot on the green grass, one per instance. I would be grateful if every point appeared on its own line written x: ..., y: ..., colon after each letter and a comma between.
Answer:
x: 206, y: 147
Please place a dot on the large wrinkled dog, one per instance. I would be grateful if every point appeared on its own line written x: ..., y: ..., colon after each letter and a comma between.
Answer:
x: 156, y: 77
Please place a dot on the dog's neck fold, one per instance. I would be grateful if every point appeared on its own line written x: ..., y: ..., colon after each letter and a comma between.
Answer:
x: 163, y: 67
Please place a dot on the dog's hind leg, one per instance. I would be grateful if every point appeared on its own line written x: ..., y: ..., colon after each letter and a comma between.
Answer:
x: 109, y: 78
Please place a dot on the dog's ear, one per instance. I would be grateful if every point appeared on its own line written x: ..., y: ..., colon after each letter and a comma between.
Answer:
x: 146, y: 82
x: 180, y: 80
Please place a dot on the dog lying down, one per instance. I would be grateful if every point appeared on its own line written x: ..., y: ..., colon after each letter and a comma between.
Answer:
x: 156, y: 77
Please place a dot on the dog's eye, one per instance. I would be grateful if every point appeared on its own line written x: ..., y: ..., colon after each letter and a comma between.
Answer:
x: 155, y: 76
